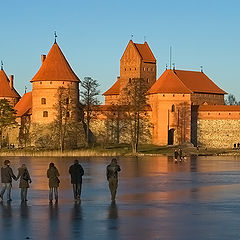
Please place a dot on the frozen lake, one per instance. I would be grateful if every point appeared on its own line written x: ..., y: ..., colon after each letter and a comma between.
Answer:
x: 157, y: 199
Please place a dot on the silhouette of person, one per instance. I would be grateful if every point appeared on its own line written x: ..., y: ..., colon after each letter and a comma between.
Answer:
x: 112, y: 176
x: 175, y: 155
x: 53, y: 174
x: 25, y: 179
x: 76, y: 171
x: 6, y: 179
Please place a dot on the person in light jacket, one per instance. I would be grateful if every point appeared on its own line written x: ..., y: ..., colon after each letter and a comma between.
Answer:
x: 112, y: 176
x: 53, y: 174
x: 25, y: 179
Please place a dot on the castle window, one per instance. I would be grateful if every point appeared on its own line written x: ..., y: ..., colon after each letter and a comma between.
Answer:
x: 173, y: 108
x: 63, y: 82
x: 45, y: 113
x: 208, y: 114
x: 144, y: 69
x: 67, y: 100
x: 130, y: 69
x: 125, y: 69
x: 183, y: 95
x: 229, y: 114
x: 135, y: 69
x: 147, y: 80
x: 67, y: 114
x: 43, y: 101
x: 219, y: 113
x: 129, y: 80
x: 40, y: 82
x: 163, y: 95
x: 173, y: 95
x: 50, y: 82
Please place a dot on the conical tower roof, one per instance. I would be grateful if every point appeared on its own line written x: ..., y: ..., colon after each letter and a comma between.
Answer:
x: 5, y: 89
x: 55, y: 67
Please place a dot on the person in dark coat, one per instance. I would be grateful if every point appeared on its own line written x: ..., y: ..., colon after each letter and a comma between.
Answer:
x: 25, y: 179
x: 175, y: 155
x: 6, y: 179
x: 180, y: 153
x: 53, y: 174
x: 112, y: 176
x: 76, y: 171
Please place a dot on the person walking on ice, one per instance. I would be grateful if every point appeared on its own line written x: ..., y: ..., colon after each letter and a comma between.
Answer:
x: 53, y: 174
x: 112, y: 176
x: 25, y: 179
x: 6, y: 179
x: 76, y: 171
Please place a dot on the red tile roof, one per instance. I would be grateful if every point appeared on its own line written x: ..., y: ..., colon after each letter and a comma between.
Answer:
x: 114, y: 90
x: 179, y: 81
x: 24, y: 106
x: 55, y: 67
x: 145, y: 52
x: 217, y: 108
x: 5, y: 89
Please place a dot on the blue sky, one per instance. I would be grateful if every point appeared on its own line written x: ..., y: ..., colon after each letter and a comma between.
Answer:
x: 94, y: 34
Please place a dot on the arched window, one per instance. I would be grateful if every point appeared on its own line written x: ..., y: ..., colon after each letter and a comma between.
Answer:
x: 43, y: 101
x: 45, y: 113
x: 173, y: 108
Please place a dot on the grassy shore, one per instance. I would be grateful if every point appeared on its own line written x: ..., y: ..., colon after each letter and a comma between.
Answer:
x: 120, y: 150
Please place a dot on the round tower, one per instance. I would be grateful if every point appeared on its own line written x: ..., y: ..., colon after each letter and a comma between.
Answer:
x: 55, y: 77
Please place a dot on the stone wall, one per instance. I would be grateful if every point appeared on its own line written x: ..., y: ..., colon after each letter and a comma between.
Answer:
x: 221, y: 133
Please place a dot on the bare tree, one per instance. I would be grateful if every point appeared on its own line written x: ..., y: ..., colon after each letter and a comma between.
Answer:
x: 134, y: 101
x: 7, y: 118
x: 89, y: 101
x: 231, y: 100
x: 67, y: 125
x: 115, y: 122
x: 24, y: 131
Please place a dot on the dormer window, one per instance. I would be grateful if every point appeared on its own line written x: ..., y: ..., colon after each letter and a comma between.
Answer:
x: 43, y: 101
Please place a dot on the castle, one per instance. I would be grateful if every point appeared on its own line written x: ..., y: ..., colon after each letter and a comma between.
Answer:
x: 184, y: 106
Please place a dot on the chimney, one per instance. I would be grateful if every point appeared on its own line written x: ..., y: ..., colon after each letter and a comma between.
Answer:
x: 11, y: 81
x: 43, y: 57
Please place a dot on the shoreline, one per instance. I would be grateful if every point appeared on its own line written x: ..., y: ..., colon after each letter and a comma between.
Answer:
x: 120, y: 151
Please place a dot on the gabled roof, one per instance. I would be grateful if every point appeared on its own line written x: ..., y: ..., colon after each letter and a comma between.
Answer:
x: 114, y: 90
x: 5, y: 89
x: 145, y: 52
x: 24, y: 106
x: 217, y: 108
x: 55, y: 67
x: 179, y: 81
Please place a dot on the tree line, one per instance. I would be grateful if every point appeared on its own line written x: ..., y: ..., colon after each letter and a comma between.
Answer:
x: 71, y: 127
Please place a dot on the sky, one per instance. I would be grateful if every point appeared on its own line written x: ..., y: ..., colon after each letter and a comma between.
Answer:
x: 94, y: 34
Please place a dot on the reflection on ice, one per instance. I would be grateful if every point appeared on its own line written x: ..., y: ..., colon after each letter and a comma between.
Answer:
x: 156, y: 199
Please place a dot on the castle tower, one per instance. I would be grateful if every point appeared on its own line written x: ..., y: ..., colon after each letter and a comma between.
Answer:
x: 7, y: 90
x: 137, y: 61
x: 174, y: 99
x: 54, y: 72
